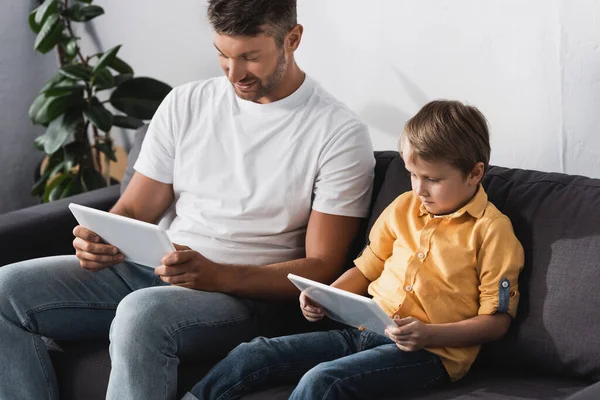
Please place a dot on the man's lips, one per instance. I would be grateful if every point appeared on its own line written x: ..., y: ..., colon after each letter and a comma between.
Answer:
x: 243, y: 86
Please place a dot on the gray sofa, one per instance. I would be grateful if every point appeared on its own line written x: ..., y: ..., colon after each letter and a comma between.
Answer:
x: 552, y: 350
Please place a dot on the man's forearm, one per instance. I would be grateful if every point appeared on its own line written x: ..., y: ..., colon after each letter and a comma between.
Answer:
x: 270, y: 281
x: 470, y: 332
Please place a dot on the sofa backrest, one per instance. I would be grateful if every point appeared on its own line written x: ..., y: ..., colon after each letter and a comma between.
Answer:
x: 557, y: 219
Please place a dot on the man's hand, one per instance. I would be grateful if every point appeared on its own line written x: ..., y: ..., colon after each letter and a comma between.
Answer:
x: 190, y: 269
x: 92, y: 254
x: 410, y: 334
x: 310, y: 309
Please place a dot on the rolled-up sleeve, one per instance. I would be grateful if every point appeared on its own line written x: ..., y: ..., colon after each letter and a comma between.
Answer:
x: 500, y: 262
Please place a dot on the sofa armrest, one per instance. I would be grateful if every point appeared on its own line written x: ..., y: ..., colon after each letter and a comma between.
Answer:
x: 590, y: 393
x: 46, y: 229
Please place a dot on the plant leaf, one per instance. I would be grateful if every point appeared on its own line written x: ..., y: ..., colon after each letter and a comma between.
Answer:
x: 38, y: 188
x: 107, y: 149
x: 49, y: 170
x: 35, y: 27
x: 127, y: 122
x: 92, y: 179
x: 56, y: 79
x: 47, y: 8
x: 52, y: 186
x: 76, y: 72
x: 119, y: 79
x: 80, y: 13
x: 103, y: 79
x: 38, y: 142
x: 139, y: 97
x: 106, y: 58
x: 59, y: 131
x: 71, y: 48
x: 120, y: 66
x: 99, y: 115
x: 36, y: 107
x: 46, y: 109
x: 85, y: 1
x: 63, y: 88
x: 49, y: 34
x: 72, y: 188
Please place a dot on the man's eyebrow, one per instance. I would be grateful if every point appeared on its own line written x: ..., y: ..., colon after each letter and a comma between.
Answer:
x: 241, y: 55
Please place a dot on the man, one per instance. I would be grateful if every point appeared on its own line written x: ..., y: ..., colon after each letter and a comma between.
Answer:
x: 266, y: 174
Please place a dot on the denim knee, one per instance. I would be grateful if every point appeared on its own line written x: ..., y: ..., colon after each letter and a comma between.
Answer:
x: 137, y: 320
x: 322, y: 381
x: 12, y: 295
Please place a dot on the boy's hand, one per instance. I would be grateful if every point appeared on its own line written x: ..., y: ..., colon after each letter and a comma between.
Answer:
x: 310, y: 309
x: 410, y: 334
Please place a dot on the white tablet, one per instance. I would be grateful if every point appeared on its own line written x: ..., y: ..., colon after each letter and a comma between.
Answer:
x: 345, y: 307
x: 140, y: 242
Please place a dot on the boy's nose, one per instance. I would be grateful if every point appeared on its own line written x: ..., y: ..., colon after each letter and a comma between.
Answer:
x: 420, y: 189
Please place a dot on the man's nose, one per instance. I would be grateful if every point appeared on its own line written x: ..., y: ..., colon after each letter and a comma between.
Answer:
x: 236, y: 71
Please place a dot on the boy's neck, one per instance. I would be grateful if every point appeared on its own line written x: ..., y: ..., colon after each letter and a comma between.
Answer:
x: 462, y: 205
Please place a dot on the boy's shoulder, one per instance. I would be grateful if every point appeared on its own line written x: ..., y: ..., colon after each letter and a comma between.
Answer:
x: 494, y: 219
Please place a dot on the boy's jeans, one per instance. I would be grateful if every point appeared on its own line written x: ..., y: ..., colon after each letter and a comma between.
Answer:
x: 341, y: 364
x: 152, y: 325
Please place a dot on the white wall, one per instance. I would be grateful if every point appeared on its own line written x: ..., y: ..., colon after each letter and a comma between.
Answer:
x: 22, y: 74
x: 531, y: 66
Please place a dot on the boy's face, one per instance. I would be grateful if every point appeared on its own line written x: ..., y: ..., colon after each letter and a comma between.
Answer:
x: 441, y: 187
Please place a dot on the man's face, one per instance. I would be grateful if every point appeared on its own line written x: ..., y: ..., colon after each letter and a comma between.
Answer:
x: 441, y: 187
x: 254, y: 65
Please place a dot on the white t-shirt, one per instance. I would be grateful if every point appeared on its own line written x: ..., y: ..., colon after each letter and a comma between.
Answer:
x: 246, y: 175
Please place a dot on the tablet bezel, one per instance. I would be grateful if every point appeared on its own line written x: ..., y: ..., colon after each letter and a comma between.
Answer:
x: 121, y: 232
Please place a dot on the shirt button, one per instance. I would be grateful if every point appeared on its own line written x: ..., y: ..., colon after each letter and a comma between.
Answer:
x: 421, y: 255
x: 504, y: 284
x: 408, y: 288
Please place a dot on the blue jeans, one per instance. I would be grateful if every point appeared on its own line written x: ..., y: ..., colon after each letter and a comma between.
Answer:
x: 340, y: 364
x: 150, y: 325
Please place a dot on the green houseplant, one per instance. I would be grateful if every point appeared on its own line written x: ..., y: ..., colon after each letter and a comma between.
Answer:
x: 71, y: 105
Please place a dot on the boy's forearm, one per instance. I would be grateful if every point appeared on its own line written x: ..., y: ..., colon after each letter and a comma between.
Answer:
x: 471, y: 332
x: 352, y: 281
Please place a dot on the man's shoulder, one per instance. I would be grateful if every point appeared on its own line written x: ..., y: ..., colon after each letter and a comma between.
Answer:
x: 202, y: 88
x: 330, y: 106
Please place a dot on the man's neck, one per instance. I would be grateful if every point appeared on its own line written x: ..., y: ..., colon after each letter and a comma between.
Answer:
x: 291, y: 81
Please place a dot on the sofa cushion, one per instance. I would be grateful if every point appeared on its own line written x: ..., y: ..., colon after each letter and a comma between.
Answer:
x: 488, y: 385
x: 134, y: 152
x: 555, y: 216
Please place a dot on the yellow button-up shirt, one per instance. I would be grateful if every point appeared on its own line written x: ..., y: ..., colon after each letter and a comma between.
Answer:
x: 442, y: 269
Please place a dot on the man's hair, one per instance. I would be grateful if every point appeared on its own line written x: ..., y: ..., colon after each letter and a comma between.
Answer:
x: 449, y: 131
x: 253, y: 17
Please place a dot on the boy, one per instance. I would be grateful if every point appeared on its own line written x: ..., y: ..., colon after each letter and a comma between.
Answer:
x: 442, y: 261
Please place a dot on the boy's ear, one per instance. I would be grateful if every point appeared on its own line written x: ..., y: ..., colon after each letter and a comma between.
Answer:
x: 477, y: 173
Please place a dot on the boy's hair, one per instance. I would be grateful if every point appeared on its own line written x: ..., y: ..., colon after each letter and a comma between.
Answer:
x: 253, y: 17
x: 450, y: 131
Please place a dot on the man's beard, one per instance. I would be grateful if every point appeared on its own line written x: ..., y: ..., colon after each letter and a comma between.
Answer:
x: 271, y: 82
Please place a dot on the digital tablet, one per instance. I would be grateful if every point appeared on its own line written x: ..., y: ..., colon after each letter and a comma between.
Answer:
x: 140, y: 242
x: 345, y: 307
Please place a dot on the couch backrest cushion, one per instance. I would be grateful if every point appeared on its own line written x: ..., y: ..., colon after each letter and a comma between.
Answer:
x: 134, y: 152
x: 557, y: 219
